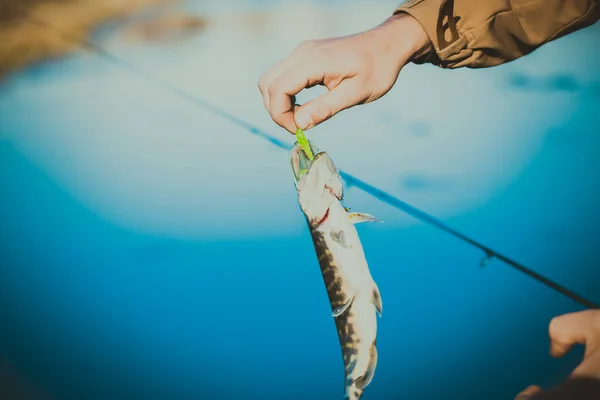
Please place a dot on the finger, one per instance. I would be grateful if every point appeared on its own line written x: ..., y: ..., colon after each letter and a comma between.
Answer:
x: 273, y: 73
x: 283, y: 90
x: 286, y: 121
x: 347, y: 94
x: 570, y: 329
x: 528, y: 393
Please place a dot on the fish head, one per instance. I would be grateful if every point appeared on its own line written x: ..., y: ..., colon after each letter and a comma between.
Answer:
x: 318, y: 182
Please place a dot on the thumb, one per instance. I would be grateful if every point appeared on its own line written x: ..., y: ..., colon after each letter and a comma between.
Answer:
x: 345, y: 95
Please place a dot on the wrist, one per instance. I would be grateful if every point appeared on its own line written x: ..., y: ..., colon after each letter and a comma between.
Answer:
x: 408, y: 36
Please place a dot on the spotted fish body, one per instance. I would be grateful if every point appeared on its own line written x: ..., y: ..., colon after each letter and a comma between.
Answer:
x: 353, y: 295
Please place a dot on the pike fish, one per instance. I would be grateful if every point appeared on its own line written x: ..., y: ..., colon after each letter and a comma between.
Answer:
x: 353, y: 294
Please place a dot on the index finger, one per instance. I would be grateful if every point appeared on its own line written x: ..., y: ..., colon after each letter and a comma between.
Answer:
x: 265, y: 81
x: 282, y: 92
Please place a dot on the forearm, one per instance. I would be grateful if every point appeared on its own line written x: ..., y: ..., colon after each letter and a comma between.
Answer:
x: 485, y: 33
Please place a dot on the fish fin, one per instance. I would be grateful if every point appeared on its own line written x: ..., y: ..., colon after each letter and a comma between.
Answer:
x: 363, y: 381
x: 376, y: 299
x: 341, y: 309
x: 339, y: 237
x: 358, y: 217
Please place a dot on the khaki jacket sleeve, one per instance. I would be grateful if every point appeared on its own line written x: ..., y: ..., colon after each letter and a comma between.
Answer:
x: 485, y: 33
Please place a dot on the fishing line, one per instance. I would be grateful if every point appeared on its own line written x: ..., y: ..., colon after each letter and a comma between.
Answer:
x: 351, y: 180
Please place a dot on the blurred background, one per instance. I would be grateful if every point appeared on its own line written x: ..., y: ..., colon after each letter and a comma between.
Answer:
x: 152, y: 249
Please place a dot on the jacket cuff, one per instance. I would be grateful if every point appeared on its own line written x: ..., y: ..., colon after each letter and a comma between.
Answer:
x: 437, y: 19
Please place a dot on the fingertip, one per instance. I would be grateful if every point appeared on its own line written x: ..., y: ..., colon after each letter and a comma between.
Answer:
x: 286, y: 121
x: 303, y: 119
x: 558, y: 349
x: 313, y: 113
x: 528, y: 393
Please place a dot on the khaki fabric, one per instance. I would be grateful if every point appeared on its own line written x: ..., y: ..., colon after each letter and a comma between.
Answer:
x: 485, y: 33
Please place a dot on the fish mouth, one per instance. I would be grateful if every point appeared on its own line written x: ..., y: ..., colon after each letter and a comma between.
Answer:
x: 325, y: 217
x: 302, y: 165
x: 299, y: 160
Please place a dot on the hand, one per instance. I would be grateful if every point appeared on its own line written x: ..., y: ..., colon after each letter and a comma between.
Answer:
x: 567, y: 330
x: 356, y: 69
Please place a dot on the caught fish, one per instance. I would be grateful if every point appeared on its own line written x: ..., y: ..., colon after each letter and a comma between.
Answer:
x: 353, y: 294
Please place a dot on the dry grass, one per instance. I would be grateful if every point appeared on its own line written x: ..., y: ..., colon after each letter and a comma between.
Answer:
x: 28, y: 27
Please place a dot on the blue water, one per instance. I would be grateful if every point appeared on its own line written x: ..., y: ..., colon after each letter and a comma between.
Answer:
x: 152, y: 250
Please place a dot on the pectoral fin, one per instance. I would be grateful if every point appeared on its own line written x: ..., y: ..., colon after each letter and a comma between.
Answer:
x: 339, y: 237
x: 341, y: 309
x: 376, y: 300
x: 364, y: 380
x: 358, y: 217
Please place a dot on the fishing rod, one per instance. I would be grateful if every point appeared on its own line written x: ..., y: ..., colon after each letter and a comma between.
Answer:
x: 350, y: 180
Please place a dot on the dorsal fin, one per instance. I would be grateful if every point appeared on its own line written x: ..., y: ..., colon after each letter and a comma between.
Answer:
x: 339, y: 237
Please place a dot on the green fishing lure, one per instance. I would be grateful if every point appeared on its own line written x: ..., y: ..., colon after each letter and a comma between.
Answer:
x: 305, y: 147
x: 304, y: 143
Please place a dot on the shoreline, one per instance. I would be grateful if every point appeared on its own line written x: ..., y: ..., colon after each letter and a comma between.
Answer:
x: 30, y: 38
